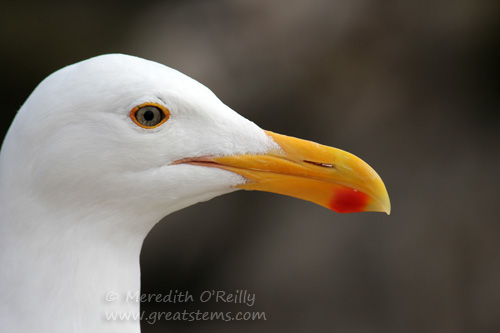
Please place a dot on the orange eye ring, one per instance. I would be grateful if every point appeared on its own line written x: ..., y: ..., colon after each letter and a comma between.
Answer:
x: 149, y: 115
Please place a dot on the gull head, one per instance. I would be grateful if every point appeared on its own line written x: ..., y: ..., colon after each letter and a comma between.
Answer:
x: 120, y: 133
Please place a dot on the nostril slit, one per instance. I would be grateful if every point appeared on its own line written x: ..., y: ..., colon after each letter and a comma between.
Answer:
x: 324, y: 165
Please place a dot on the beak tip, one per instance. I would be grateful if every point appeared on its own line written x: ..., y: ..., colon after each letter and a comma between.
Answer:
x: 381, y: 197
x: 387, y: 206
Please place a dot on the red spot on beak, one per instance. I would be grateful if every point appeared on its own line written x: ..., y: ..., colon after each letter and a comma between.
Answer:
x: 348, y: 200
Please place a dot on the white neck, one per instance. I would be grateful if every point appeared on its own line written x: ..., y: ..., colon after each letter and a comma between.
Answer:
x: 55, y: 276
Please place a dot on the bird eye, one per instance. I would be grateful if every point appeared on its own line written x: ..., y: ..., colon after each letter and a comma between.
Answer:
x: 149, y: 115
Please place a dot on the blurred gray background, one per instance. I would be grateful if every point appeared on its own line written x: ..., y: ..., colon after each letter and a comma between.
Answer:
x: 412, y: 87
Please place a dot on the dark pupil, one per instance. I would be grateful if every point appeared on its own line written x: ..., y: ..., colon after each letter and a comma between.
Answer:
x: 149, y: 115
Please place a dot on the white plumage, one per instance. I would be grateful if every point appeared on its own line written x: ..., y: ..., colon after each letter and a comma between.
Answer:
x: 81, y: 185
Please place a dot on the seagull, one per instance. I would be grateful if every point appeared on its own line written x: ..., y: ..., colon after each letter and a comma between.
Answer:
x: 104, y: 149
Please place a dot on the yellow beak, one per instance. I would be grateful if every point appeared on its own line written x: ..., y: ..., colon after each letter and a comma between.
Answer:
x: 306, y: 170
